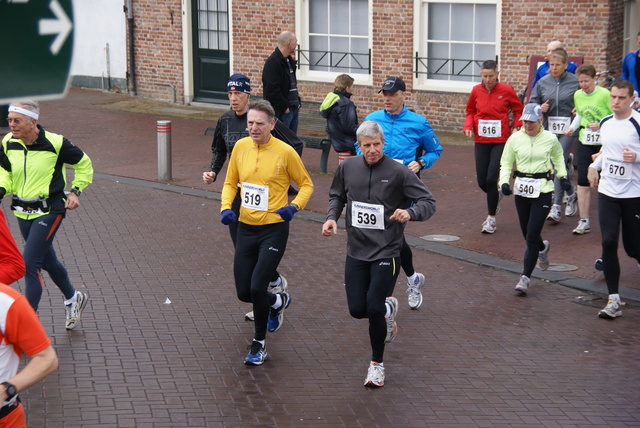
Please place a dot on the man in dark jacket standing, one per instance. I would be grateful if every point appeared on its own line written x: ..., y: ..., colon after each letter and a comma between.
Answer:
x: 279, y: 84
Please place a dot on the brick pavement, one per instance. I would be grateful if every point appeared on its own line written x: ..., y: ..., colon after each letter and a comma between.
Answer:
x: 473, y: 355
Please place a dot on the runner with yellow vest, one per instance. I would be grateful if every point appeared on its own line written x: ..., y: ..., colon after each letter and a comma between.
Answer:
x: 32, y: 173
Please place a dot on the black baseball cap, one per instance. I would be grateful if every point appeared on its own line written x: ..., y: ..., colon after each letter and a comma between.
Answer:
x: 393, y: 84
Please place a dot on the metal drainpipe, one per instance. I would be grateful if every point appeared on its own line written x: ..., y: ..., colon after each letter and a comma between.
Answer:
x: 106, y: 49
x: 132, y: 58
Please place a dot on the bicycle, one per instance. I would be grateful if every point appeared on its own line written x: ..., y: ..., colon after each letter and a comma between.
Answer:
x: 605, y: 79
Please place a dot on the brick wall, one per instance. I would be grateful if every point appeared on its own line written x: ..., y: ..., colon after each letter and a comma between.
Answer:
x: 158, y: 48
x: 586, y: 28
x: 254, y: 35
x: 589, y: 29
x: 615, y: 35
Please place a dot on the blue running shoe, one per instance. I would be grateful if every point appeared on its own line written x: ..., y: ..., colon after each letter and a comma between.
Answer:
x: 257, y: 354
x: 276, y: 316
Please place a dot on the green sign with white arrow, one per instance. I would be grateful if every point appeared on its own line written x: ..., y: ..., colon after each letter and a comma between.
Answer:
x: 36, y: 48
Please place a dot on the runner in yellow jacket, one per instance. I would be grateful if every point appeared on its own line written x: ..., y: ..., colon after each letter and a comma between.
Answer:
x: 32, y: 171
x: 261, y: 168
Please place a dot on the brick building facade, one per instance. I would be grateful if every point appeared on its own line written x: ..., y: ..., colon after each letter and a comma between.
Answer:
x: 163, y: 45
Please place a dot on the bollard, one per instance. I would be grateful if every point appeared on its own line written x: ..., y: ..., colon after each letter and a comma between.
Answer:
x: 164, y: 150
x: 342, y: 156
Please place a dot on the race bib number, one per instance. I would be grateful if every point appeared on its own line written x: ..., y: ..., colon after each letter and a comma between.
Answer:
x: 527, y: 187
x: 255, y: 197
x: 490, y: 128
x: 367, y: 216
x: 559, y: 124
x: 591, y: 137
x: 617, y: 168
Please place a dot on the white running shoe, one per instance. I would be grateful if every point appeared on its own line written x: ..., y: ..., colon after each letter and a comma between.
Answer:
x: 392, y: 326
x: 572, y: 205
x: 582, y: 227
x: 283, y: 286
x: 611, y: 311
x: 415, y: 295
x: 523, y: 285
x: 554, y: 213
x: 489, y: 225
x: 375, y: 375
x: 543, y: 256
x: 275, y: 289
x: 74, y: 310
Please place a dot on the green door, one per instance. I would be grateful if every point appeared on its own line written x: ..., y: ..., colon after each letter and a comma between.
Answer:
x: 210, y: 49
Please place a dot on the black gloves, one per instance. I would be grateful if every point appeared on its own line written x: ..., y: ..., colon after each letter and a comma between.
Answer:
x: 565, y: 183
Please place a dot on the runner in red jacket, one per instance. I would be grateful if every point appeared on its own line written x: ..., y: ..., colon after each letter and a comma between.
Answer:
x: 488, y: 123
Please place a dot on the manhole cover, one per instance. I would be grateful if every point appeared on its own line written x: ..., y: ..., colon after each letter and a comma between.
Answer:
x: 441, y: 238
x: 562, y: 267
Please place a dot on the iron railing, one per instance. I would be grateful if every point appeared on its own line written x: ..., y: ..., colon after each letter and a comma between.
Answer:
x: 347, y: 60
x: 464, y: 67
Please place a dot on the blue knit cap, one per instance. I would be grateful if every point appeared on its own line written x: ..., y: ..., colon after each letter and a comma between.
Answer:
x: 239, y: 83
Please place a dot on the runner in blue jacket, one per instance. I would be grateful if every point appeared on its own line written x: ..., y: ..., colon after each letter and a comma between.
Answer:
x: 411, y: 141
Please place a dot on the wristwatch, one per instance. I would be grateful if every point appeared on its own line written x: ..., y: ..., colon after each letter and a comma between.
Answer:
x: 10, y: 389
x: 76, y: 191
x: 422, y: 163
x: 295, y: 207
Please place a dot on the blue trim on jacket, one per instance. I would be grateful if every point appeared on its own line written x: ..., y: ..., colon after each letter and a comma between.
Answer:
x: 629, y: 68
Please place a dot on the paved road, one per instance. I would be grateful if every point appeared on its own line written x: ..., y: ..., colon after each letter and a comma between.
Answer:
x: 473, y: 355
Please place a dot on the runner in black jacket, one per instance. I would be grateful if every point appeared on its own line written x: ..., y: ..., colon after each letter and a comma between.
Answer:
x: 375, y: 188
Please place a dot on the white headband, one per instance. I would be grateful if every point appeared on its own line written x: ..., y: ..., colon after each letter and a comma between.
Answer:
x: 24, y: 111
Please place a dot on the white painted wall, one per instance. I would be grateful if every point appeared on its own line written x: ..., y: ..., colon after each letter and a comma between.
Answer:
x: 98, y: 22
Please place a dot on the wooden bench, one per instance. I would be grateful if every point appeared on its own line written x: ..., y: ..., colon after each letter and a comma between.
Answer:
x: 323, y: 144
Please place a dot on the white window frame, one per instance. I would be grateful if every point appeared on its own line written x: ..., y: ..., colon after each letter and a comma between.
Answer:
x: 631, y: 26
x: 302, y: 32
x: 420, y: 31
